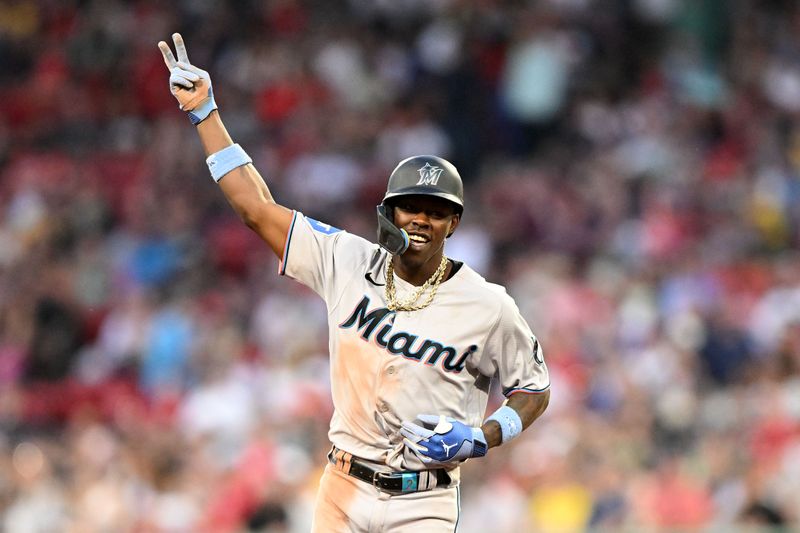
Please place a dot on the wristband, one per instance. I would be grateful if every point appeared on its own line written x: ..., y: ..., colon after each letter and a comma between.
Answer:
x: 201, y: 112
x: 510, y: 422
x: 222, y: 162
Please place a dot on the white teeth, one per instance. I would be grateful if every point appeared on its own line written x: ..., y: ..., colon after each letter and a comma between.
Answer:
x: 417, y: 238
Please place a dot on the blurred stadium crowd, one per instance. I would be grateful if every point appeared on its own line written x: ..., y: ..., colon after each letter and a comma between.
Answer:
x: 632, y: 177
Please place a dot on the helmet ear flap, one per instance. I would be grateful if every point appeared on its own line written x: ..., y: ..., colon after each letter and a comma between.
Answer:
x: 393, y: 239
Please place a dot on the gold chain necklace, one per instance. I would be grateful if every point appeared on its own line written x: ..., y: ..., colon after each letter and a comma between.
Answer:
x: 409, y: 303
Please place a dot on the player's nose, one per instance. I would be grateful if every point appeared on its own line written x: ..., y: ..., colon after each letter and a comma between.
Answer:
x: 421, y: 219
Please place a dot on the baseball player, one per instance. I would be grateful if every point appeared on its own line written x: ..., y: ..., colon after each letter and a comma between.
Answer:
x: 416, y: 338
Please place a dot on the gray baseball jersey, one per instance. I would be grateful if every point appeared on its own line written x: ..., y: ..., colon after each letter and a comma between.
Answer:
x: 387, y: 367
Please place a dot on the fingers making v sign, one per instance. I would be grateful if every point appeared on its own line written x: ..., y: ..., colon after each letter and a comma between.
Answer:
x: 190, y: 85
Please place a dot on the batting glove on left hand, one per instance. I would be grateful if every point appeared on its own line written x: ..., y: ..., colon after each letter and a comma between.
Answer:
x: 442, y: 440
x: 189, y: 85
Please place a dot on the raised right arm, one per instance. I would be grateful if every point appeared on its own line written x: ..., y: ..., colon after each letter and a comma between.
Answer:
x: 243, y: 186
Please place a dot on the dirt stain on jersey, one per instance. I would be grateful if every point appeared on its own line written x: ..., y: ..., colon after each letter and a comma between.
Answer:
x: 335, y: 500
x: 354, y: 375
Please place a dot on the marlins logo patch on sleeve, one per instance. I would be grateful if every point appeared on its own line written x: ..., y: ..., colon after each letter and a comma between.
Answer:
x: 322, y: 227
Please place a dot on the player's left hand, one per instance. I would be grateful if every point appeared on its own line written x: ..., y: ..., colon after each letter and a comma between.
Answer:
x: 442, y: 440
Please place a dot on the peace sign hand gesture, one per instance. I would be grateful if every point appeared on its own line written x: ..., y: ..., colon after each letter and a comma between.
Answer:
x: 190, y: 85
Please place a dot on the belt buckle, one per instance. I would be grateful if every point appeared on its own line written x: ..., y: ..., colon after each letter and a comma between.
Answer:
x: 376, y: 477
x: 379, y: 476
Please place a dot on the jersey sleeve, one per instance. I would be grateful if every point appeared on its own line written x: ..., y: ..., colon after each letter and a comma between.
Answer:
x: 321, y: 256
x: 513, y: 353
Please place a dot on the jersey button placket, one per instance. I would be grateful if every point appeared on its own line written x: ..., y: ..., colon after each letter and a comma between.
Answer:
x: 389, y: 371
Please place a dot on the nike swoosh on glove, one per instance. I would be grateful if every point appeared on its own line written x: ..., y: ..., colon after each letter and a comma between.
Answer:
x: 438, y: 439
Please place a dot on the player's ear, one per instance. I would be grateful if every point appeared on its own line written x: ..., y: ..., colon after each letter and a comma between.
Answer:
x: 453, y: 224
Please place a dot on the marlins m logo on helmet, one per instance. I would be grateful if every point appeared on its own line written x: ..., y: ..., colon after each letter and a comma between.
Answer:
x: 429, y: 175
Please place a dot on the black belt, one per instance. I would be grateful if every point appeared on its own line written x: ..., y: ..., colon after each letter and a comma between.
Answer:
x: 392, y: 482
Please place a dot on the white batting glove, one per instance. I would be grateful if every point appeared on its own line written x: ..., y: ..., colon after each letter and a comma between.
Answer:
x: 443, y: 440
x: 190, y: 85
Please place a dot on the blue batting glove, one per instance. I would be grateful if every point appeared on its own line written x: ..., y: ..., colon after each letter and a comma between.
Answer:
x: 442, y: 440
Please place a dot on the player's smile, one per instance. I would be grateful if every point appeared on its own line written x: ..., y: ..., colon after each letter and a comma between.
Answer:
x: 418, y: 240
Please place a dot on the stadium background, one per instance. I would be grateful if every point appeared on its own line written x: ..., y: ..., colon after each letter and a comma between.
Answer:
x: 632, y: 177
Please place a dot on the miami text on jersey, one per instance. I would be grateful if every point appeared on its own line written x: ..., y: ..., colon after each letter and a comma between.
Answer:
x: 376, y: 326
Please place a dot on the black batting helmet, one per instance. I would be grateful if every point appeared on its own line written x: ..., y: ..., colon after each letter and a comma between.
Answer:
x: 429, y: 175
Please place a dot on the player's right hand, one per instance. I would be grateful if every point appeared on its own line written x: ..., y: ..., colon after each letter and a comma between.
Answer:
x: 189, y: 85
